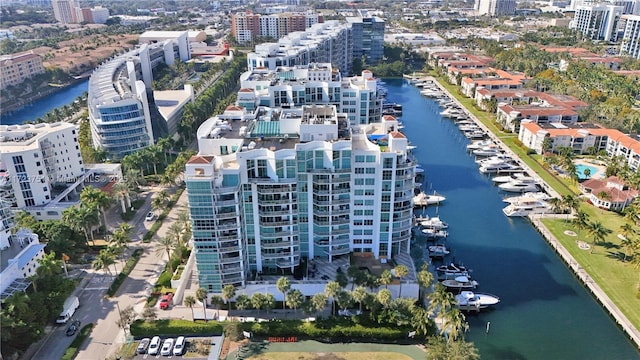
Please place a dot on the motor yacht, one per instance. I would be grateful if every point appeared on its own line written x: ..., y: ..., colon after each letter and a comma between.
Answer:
x: 460, y: 282
x: 479, y: 144
x: 469, y: 300
x: 475, y: 134
x: 451, y: 270
x: 520, y: 185
x: 434, y: 223
x: 422, y: 199
x: 527, y: 206
x: 487, y: 151
x: 437, y: 251
x: 494, y: 159
x: 504, y: 167
x: 435, y: 233
x: 536, y: 195
x: 507, y: 178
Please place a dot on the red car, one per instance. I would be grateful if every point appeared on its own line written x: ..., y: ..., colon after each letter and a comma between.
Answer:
x: 166, y: 300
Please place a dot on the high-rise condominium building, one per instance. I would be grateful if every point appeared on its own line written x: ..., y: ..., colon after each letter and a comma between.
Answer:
x: 246, y: 26
x: 65, y: 11
x: 16, y: 68
x: 118, y: 104
x: 597, y: 22
x: 328, y: 42
x: 495, y: 7
x: 631, y: 38
x: 368, y: 38
x: 271, y: 187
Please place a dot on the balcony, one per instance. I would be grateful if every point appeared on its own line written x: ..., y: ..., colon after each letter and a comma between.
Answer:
x: 227, y: 237
x: 278, y: 234
x: 233, y: 279
x: 335, y: 242
x: 230, y: 260
x: 342, y: 250
x: 280, y: 255
x: 228, y: 249
x: 230, y: 269
x: 275, y: 189
x: 275, y: 245
x: 278, y: 223
x: 227, y: 215
x: 228, y: 225
x: 264, y: 212
x: 287, y: 263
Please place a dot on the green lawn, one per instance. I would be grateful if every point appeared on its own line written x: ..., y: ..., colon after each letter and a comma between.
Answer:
x: 617, y: 278
x: 307, y: 349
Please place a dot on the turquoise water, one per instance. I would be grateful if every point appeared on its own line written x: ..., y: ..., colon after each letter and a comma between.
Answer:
x: 580, y: 168
x: 544, y: 313
x: 40, y: 107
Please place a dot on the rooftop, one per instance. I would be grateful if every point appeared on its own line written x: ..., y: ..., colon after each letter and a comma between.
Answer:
x: 22, y: 137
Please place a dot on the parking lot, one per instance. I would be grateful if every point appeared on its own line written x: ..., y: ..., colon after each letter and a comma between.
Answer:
x: 195, y: 348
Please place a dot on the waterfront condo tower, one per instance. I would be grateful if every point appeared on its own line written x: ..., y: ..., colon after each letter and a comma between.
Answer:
x: 278, y: 185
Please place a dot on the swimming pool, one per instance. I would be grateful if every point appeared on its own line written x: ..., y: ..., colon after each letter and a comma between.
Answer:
x: 580, y: 170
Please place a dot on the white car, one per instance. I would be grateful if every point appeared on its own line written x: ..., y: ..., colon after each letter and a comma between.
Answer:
x: 167, y: 346
x: 150, y: 216
x: 154, y: 346
x: 179, y: 347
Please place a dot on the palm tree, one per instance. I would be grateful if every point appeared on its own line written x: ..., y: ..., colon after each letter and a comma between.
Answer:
x: 454, y: 322
x: 284, y: 285
x: 386, y: 278
x: 319, y: 302
x: 401, y: 271
x: 440, y: 300
x: 571, y: 203
x: 556, y: 205
x: 359, y: 294
x: 103, y: 261
x: 331, y: 290
x: 425, y: 277
x: 384, y: 297
x: 580, y: 220
x: 216, y: 301
x: 344, y: 299
x: 295, y: 298
x: 257, y: 301
x: 121, y: 193
x: 49, y: 266
x: 134, y: 178
x: 598, y: 232
x: 166, y: 244
x: 79, y: 219
x: 201, y: 295
x: 228, y: 292
x: 190, y: 301
x: 243, y: 302
x: 420, y: 320
x: 269, y: 302
x: 91, y: 196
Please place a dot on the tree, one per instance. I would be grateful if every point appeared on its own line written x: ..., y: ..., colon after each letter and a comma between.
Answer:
x: 258, y: 301
x: 201, y: 295
x: 190, y: 301
x: 359, y: 295
x: 440, y: 349
x: 165, y: 245
x: 331, y: 290
x: 127, y: 315
x: 386, y: 278
x: 424, y: 277
x: 80, y: 219
x: 598, y: 232
x: 420, y: 320
x: 121, y: 193
x: 580, y: 220
x: 269, y: 302
x: 295, y: 298
x: 243, y: 302
x: 440, y: 300
x: 284, y: 285
x: 150, y: 314
x: 216, y: 301
x: 344, y: 299
x: 319, y: 302
x: 401, y: 271
x: 92, y: 197
x: 454, y: 322
x: 384, y: 297
x: 103, y: 261
x: 228, y: 292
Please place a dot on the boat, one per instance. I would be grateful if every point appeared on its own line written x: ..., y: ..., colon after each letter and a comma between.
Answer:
x: 419, y: 170
x: 507, y: 178
x: 417, y: 185
x: 452, y: 270
x: 475, y: 134
x: 479, y: 144
x: 520, y: 185
x: 460, y: 282
x: 526, y: 206
x: 487, y: 151
x: 494, y: 159
x: 537, y: 195
x: 434, y: 223
x: 437, y: 251
x: 422, y: 199
x: 503, y: 167
x: 469, y: 300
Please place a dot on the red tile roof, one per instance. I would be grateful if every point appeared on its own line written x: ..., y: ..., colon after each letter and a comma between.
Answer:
x: 597, y: 187
x: 397, y: 135
x: 200, y: 159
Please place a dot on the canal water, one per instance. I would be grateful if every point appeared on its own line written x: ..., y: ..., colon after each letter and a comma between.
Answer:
x: 40, y: 107
x: 544, y: 313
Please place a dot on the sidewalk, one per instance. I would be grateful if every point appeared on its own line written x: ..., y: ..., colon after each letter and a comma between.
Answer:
x: 107, y: 337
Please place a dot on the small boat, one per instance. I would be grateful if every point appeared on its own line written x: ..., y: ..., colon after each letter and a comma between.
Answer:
x: 452, y: 270
x: 437, y: 251
x: 417, y: 185
x: 520, y: 186
x: 419, y: 170
x: 422, y: 199
x: 527, y: 206
x: 460, y: 282
x: 434, y: 223
x: 468, y: 300
x: 536, y: 195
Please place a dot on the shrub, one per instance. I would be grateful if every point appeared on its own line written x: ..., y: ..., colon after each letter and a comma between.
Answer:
x: 140, y: 328
x: 178, y: 273
x: 128, y: 267
x: 340, y: 329
x: 164, y: 279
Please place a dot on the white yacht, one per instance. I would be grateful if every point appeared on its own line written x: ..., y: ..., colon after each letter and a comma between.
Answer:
x: 438, y: 251
x: 468, y: 300
x: 434, y: 222
x: 520, y: 186
x: 479, y: 144
x: 494, y: 159
x: 422, y: 199
x: 487, y: 151
x: 526, y: 206
x: 508, y: 178
x: 536, y: 195
x: 435, y: 233
x: 460, y: 282
x: 504, y: 167
x: 475, y: 134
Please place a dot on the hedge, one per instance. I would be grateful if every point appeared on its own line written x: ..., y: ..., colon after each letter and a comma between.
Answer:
x: 72, y: 350
x: 141, y: 328
x: 128, y: 267
x: 316, y: 331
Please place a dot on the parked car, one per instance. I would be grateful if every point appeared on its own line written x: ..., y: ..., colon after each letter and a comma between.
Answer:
x: 143, y: 346
x: 150, y: 216
x: 154, y: 346
x: 165, y: 301
x: 167, y: 346
x: 73, y: 328
x: 178, y: 348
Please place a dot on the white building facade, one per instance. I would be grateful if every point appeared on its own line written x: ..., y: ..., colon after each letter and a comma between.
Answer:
x: 631, y: 39
x: 597, y: 22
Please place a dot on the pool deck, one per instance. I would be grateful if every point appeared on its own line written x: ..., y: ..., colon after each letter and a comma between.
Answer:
x: 600, y: 169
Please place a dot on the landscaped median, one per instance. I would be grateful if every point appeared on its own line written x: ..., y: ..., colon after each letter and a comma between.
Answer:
x: 156, y: 225
x: 128, y: 267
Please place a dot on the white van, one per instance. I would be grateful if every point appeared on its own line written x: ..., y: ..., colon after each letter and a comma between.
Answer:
x: 154, y: 346
x: 178, y: 348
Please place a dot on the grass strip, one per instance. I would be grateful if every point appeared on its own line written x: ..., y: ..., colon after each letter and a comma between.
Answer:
x: 128, y: 267
x: 73, y: 349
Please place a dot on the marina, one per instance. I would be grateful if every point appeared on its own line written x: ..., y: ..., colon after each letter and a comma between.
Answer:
x: 544, y: 311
